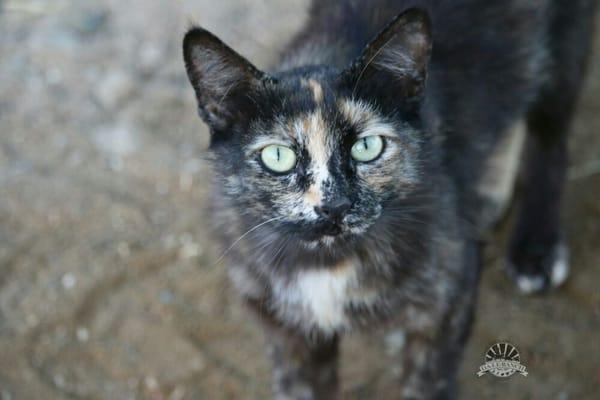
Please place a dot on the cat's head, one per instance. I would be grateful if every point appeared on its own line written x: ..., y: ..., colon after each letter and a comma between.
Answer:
x: 317, y: 154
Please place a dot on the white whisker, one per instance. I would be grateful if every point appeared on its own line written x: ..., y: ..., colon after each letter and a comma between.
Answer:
x: 244, y: 235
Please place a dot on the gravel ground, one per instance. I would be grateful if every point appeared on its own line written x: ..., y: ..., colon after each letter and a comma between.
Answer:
x: 108, y: 283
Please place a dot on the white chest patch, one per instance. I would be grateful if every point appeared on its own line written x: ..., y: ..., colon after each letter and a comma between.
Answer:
x: 317, y: 297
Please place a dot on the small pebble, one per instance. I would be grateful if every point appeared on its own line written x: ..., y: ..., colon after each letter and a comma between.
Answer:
x: 123, y: 249
x: 197, y: 364
x: 150, y: 56
x: 114, y: 88
x: 83, y: 334
x: 59, y: 381
x: 151, y: 383
x: 189, y: 250
x: 68, y: 281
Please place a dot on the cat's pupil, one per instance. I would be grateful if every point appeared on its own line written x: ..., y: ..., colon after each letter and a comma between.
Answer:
x: 365, y: 143
x: 278, y: 155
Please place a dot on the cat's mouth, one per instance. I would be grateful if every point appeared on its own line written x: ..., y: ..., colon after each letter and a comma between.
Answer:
x: 325, y: 234
x: 324, y: 229
x: 330, y: 230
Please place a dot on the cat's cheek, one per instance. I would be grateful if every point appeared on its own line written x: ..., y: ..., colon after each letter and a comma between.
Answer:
x: 367, y: 211
x: 232, y: 185
x: 375, y: 181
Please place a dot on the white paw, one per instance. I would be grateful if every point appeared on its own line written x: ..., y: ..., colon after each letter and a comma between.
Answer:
x: 553, y: 276
x: 530, y: 284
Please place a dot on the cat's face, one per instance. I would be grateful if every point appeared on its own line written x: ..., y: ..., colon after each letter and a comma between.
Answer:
x: 319, y: 155
x: 322, y: 163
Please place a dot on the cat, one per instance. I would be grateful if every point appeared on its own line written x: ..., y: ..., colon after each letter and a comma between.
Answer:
x: 356, y: 180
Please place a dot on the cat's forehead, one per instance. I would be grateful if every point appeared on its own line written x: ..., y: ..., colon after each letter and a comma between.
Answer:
x: 315, y: 115
x: 315, y: 88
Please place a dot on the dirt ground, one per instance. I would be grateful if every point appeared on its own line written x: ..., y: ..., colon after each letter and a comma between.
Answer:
x: 108, y: 282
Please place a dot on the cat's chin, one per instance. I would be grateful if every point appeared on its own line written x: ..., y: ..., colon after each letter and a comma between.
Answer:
x: 346, y: 236
x: 330, y: 243
x: 325, y: 241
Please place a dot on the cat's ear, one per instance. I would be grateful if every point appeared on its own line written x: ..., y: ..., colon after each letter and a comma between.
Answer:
x: 397, y: 57
x: 222, y: 79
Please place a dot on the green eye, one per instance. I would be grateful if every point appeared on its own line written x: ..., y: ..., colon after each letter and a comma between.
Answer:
x: 367, y: 148
x: 278, y: 158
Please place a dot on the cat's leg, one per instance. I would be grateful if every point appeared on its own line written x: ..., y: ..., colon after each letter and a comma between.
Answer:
x: 430, y: 364
x: 431, y: 359
x: 538, y: 253
x: 303, y: 369
x: 420, y: 377
x: 428, y: 369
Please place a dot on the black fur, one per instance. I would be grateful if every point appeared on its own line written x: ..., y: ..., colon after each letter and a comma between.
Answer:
x: 447, y: 80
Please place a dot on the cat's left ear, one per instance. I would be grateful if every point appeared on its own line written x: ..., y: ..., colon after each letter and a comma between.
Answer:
x: 222, y: 79
x: 396, y: 59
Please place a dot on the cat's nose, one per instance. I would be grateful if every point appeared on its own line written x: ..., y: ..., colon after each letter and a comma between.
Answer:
x: 335, y: 209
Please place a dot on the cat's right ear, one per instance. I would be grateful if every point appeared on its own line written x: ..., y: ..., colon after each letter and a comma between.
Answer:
x: 222, y: 79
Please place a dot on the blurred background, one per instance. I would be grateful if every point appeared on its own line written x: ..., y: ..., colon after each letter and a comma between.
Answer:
x: 108, y: 283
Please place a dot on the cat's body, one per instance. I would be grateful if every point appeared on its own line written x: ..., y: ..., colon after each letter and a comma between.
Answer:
x: 336, y: 241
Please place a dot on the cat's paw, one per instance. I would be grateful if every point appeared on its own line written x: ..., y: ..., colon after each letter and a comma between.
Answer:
x: 537, y: 269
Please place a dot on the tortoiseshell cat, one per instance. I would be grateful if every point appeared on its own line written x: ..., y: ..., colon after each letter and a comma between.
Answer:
x: 354, y: 182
